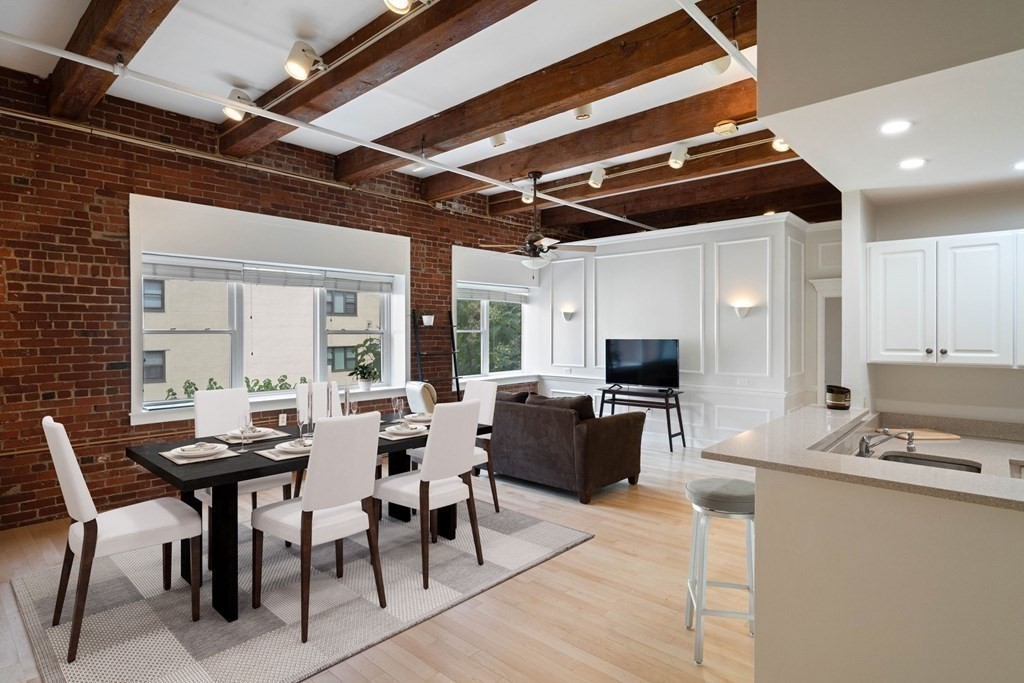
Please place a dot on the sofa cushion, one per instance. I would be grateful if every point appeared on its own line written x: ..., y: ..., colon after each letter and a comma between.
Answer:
x: 583, y: 405
x: 513, y: 396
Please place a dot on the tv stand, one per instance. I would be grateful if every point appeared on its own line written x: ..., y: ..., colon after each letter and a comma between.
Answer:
x: 647, y: 397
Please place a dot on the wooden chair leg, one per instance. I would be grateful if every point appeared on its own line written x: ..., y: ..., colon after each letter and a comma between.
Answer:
x: 167, y: 566
x: 494, y: 484
x: 370, y: 508
x: 196, y: 557
x: 62, y: 589
x: 257, y: 568
x: 209, y: 537
x: 306, y: 553
x: 84, y: 571
x: 425, y: 530
x: 339, y: 558
x: 286, y: 491
x: 433, y: 526
x: 471, y: 504
x: 298, y: 482
x: 253, y: 500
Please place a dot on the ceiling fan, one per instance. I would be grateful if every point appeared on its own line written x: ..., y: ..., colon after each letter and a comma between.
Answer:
x: 538, y: 249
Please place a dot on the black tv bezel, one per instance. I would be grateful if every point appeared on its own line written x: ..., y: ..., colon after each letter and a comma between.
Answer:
x: 608, y: 367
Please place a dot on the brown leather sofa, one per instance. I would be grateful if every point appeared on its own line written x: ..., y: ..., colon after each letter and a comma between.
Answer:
x: 558, y: 442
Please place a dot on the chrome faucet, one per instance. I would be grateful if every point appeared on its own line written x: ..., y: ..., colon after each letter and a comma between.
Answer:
x: 867, y: 443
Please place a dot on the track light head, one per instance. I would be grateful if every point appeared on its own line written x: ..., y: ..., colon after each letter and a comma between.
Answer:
x: 721, y: 65
x: 527, y: 197
x: 678, y: 156
x: 498, y: 140
x: 596, y: 178
x: 583, y: 112
x: 302, y: 60
x: 238, y: 96
x: 780, y: 145
x: 726, y: 127
x: 399, y: 6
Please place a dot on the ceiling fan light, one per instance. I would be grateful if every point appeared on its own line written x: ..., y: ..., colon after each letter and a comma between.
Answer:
x: 780, y: 145
x: 583, y: 112
x: 399, y: 6
x: 596, y: 178
x: 535, y: 263
x: 498, y: 140
x: 238, y: 96
x: 678, y: 156
x: 302, y: 59
x: 527, y: 198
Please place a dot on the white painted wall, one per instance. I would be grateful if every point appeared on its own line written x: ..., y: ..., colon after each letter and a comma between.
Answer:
x: 681, y: 283
x: 823, y: 247
x: 858, y: 230
x: 805, y: 47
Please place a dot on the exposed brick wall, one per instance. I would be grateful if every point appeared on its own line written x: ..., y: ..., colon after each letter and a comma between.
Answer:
x: 64, y: 274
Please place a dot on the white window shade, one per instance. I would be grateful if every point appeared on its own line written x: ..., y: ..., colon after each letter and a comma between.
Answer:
x: 485, y: 292
x: 185, y: 268
x: 181, y: 268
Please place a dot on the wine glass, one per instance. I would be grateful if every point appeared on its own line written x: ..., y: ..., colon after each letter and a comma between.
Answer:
x: 398, y: 406
x: 244, y: 429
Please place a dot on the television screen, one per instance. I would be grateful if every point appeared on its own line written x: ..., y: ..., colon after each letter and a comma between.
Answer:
x: 647, y: 362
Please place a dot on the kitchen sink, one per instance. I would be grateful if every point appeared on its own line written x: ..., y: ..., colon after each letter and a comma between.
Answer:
x: 931, y: 461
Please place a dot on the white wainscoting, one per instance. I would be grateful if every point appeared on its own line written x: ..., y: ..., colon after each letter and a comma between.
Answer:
x: 830, y: 255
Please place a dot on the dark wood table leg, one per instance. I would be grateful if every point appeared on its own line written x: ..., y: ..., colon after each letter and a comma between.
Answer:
x: 679, y: 414
x: 224, y: 549
x: 189, y: 498
x: 668, y: 422
x: 398, y: 462
x: 601, y: 414
x: 447, y: 520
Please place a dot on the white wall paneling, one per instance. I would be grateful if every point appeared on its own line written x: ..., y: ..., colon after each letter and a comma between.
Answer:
x: 740, y: 418
x: 743, y: 275
x: 794, y: 307
x: 568, y: 292
x: 652, y: 295
x: 826, y: 289
x: 830, y: 255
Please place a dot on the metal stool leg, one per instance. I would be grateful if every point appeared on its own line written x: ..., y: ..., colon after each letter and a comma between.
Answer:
x: 750, y: 572
x: 688, y: 621
x: 701, y: 588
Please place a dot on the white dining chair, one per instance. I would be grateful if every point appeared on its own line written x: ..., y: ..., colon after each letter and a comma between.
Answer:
x: 422, y: 397
x: 444, y: 477
x: 338, y: 503
x: 141, y: 525
x: 217, y: 412
x: 487, y: 394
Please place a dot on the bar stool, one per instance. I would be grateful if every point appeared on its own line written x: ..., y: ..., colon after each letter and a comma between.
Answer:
x: 729, y: 499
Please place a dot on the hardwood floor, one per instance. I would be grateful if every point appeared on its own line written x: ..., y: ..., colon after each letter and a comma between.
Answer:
x: 610, y: 609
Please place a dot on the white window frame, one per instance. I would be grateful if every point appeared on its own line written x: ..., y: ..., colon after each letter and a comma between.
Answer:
x: 485, y: 337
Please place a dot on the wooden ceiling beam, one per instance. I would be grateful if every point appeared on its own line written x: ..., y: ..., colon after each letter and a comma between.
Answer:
x: 661, y: 48
x: 725, y: 156
x: 678, y: 120
x: 814, y: 203
x: 419, y: 38
x: 758, y: 181
x: 108, y: 28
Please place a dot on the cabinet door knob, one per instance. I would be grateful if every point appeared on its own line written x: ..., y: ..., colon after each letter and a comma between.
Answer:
x: 943, y: 351
x: 929, y: 351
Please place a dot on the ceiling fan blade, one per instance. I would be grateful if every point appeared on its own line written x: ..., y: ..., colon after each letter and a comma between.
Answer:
x: 499, y: 246
x: 582, y: 247
x: 547, y: 242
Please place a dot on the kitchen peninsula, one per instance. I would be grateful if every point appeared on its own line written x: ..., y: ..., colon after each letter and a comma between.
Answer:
x: 882, y: 571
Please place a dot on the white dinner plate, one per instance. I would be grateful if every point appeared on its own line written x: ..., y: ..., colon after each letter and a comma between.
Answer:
x: 255, y: 431
x: 199, y: 449
x: 423, y: 418
x: 406, y: 430
x: 294, y: 447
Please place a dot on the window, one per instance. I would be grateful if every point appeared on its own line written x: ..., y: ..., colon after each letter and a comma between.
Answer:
x: 341, y: 358
x: 341, y: 303
x: 261, y: 326
x: 153, y: 295
x: 489, y: 329
x: 154, y: 366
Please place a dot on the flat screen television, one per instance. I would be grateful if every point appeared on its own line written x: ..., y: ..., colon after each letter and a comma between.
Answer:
x: 646, y: 362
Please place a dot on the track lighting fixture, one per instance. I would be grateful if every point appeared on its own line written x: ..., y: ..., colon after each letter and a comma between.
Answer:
x: 238, y: 96
x: 302, y: 60
x: 399, y: 6
x: 721, y: 65
x: 527, y: 197
x: 583, y: 112
x: 726, y: 127
x: 596, y: 178
x: 498, y: 140
x: 780, y: 145
x: 678, y: 156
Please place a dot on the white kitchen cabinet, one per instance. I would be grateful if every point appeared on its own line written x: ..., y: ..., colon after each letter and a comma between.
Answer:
x: 901, y: 301
x: 947, y: 300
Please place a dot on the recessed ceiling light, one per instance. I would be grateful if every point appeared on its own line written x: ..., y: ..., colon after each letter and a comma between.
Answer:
x: 895, y: 127
x: 1019, y: 166
x: 912, y: 163
x: 583, y: 112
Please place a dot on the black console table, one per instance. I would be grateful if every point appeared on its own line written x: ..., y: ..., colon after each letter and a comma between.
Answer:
x: 661, y: 399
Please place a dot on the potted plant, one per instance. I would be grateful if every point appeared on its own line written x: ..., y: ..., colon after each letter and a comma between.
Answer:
x: 367, y: 369
x: 428, y: 319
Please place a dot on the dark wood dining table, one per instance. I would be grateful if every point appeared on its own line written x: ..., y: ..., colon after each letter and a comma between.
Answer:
x: 222, y: 477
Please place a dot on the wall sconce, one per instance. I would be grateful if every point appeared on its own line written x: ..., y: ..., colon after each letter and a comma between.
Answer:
x: 742, y: 307
x: 568, y: 313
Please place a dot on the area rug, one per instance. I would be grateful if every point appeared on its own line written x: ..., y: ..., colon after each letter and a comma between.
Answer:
x: 135, y: 631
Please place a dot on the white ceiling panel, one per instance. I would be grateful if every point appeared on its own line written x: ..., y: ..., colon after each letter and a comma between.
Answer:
x: 48, y: 21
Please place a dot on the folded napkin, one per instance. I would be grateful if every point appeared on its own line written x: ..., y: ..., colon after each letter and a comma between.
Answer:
x: 266, y: 436
x: 275, y: 454
x: 179, y: 460
x: 391, y: 436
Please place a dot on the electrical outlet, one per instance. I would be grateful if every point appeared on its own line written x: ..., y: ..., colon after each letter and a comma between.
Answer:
x: 742, y: 381
x: 282, y: 420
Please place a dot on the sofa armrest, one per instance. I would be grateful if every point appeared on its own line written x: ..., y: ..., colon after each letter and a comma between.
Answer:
x: 607, y: 451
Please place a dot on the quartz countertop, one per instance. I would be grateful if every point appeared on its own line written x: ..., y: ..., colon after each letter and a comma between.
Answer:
x: 787, y: 444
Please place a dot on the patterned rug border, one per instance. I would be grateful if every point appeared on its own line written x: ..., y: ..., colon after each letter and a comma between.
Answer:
x: 49, y: 667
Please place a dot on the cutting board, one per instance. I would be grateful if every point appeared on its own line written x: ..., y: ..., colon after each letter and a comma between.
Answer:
x: 924, y: 434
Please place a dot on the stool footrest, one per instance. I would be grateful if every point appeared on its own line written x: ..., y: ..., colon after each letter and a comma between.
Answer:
x: 737, y: 586
x: 746, y: 616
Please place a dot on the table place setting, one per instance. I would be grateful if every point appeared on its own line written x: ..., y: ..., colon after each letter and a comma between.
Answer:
x: 199, y: 451
x: 246, y: 435
x: 296, y: 448
x: 403, y: 431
